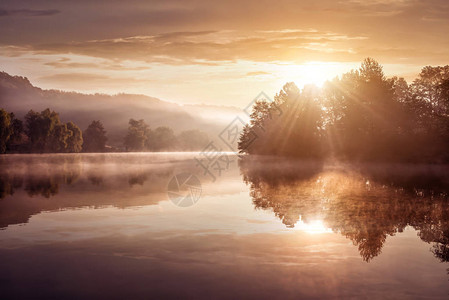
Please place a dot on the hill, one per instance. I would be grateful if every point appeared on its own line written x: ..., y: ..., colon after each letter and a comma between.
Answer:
x: 18, y: 95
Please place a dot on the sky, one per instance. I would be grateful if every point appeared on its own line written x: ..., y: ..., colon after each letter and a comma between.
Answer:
x: 215, y: 52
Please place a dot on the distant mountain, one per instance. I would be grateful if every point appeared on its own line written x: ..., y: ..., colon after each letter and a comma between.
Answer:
x: 18, y: 95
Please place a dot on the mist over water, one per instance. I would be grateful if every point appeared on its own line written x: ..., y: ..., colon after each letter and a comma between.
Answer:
x: 264, y: 228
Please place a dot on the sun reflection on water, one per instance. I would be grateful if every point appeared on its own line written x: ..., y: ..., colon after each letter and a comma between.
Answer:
x: 312, y: 227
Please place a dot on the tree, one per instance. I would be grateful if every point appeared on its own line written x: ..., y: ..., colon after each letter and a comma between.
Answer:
x: 289, y: 126
x: 17, y: 135
x: 94, y: 137
x: 428, y: 112
x: 46, y: 133
x: 137, y: 136
x: 5, y: 130
x: 58, y: 139
x: 11, y: 131
x: 364, y: 117
x: 361, y: 115
x: 430, y: 87
x: 161, y: 139
x: 75, y: 139
x: 40, y: 128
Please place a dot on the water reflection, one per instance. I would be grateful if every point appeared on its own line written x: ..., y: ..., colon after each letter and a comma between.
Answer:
x: 364, y: 203
x: 29, y: 183
x: 295, y: 220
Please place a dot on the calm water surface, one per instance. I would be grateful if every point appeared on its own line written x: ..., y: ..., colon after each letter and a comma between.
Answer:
x: 102, y: 226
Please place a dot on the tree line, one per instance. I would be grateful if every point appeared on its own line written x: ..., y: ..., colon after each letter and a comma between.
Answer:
x: 43, y: 132
x: 141, y: 137
x: 361, y: 115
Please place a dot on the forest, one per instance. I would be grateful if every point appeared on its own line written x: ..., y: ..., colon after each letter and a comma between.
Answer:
x: 43, y: 132
x: 359, y: 116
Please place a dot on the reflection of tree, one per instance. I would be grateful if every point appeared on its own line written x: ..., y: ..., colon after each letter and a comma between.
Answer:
x: 42, y: 179
x: 137, y: 178
x: 81, y: 181
x: 8, y: 184
x: 267, y: 182
x: 436, y: 230
x: 365, y: 204
x: 95, y: 179
x: 45, y: 186
x: 441, y: 247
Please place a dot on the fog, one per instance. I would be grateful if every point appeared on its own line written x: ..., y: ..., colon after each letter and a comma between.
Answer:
x: 18, y: 95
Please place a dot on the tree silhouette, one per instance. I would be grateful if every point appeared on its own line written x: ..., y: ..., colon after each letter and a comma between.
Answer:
x: 75, y: 138
x: 94, y: 137
x: 365, y: 117
x: 296, y: 131
x: 361, y: 115
x: 46, y: 133
x: 138, y: 135
x: 5, y: 130
x: 162, y: 138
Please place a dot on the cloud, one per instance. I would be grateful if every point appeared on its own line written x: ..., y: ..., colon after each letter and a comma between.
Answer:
x: 28, y: 12
x: 13, y: 51
x: 63, y: 65
x: 92, y: 81
x: 205, y: 32
x: 218, y: 47
x: 210, y: 47
x: 257, y: 73
x: 188, y: 43
x: 75, y: 77
x: 66, y: 63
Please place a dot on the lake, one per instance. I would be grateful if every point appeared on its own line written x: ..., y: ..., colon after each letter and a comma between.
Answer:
x: 160, y: 225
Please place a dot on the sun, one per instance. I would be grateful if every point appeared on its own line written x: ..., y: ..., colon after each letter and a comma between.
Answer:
x: 313, y: 72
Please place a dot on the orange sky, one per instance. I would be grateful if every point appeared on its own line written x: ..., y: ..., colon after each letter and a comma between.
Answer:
x: 216, y: 52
